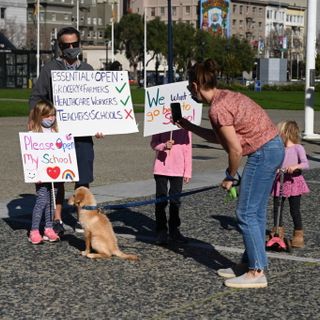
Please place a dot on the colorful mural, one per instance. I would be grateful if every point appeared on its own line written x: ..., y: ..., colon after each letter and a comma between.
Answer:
x: 214, y: 16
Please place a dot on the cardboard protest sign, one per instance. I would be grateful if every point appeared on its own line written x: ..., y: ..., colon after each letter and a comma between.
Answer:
x: 48, y: 157
x: 88, y: 102
x: 157, y: 111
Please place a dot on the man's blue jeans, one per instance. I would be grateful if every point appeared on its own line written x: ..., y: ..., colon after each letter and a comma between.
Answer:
x: 256, y: 183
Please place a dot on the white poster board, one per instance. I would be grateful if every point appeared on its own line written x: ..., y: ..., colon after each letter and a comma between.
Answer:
x: 157, y: 112
x: 48, y: 157
x: 89, y: 102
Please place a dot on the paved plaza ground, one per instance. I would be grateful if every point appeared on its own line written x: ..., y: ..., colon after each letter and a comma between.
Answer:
x: 53, y: 281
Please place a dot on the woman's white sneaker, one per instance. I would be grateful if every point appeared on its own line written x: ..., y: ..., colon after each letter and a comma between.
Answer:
x: 247, y: 281
x: 236, y: 270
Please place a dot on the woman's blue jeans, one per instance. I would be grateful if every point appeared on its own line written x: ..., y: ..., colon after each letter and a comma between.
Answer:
x: 256, y: 183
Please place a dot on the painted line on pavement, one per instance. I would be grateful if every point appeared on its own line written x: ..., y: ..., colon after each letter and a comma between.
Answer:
x: 227, y: 249
x: 206, y: 246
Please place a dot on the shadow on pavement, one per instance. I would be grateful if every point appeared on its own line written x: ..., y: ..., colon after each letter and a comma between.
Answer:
x: 142, y: 228
x: 21, y: 206
x: 227, y: 223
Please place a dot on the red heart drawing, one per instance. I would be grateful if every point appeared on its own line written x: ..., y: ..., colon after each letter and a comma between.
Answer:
x: 53, y: 172
x: 59, y: 143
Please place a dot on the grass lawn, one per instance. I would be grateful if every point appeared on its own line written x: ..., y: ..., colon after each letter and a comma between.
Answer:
x: 14, y: 102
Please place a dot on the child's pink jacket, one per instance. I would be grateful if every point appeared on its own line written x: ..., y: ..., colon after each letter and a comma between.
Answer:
x: 178, y: 161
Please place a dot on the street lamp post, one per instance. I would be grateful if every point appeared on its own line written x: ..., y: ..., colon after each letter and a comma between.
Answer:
x: 38, y: 38
x: 78, y: 15
x: 112, y: 32
x: 310, y: 72
x: 170, y: 45
x: 145, y: 49
x: 107, y: 58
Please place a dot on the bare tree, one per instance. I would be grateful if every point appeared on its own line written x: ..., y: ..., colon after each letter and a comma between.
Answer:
x: 15, y: 32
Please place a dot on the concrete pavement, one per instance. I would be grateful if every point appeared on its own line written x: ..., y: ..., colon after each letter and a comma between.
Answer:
x: 53, y: 281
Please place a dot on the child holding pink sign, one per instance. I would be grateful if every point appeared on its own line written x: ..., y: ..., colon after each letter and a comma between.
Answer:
x: 172, y: 165
x: 43, y: 117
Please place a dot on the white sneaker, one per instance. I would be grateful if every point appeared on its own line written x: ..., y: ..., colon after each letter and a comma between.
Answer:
x: 236, y: 270
x: 245, y: 281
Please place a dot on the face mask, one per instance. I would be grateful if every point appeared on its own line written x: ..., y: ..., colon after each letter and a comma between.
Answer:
x: 195, y: 98
x: 47, y: 123
x: 71, y: 53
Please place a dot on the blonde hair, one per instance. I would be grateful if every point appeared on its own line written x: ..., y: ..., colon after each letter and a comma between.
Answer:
x: 280, y: 127
x: 41, y: 110
x: 290, y: 131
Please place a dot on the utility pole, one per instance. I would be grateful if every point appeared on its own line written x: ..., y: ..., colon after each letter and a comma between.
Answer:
x: 308, y: 133
x: 170, y: 45
x: 38, y: 37
x: 145, y: 49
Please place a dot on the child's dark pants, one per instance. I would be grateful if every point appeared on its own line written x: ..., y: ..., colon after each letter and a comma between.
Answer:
x: 294, y: 203
x: 176, y: 184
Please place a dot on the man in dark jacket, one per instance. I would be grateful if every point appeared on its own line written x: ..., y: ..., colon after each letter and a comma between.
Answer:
x: 69, y: 44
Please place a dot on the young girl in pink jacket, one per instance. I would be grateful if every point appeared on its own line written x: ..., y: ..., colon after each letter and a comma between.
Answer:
x: 173, y: 166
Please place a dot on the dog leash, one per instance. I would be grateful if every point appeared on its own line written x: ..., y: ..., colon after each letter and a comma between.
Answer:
x: 90, y: 207
x: 156, y: 200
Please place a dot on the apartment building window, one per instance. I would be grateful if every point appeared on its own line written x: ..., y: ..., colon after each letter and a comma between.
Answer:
x: 54, y: 17
x: 234, y: 8
x: 162, y: 11
x: 240, y: 9
x: 3, y: 13
x: 153, y: 12
x: 254, y: 10
x: 247, y: 9
x: 82, y: 19
x: 94, y: 21
x: 240, y: 24
x: 30, y: 16
x: 260, y: 12
x: 89, y: 20
x: 260, y: 25
x: 100, y: 21
x: 188, y: 10
x: 174, y: 11
x: 82, y: 33
x: 66, y: 16
x: 100, y: 35
x: 234, y: 22
x: 42, y: 16
x: 269, y: 14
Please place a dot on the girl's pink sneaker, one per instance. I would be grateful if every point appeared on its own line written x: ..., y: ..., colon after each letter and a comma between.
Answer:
x: 50, y: 235
x: 35, y: 237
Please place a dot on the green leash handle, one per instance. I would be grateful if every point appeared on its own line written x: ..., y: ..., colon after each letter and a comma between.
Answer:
x: 232, y: 194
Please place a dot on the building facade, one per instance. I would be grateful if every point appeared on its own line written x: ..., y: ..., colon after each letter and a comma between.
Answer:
x: 248, y: 21
x: 89, y: 16
x: 184, y: 11
x: 13, y: 21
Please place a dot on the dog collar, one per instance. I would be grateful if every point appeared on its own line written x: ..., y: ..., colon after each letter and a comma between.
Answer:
x: 89, y: 207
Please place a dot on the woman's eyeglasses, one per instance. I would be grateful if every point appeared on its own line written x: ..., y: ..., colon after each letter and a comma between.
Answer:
x: 64, y: 45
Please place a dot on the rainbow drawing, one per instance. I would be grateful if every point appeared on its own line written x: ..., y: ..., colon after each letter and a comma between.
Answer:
x: 68, y: 175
